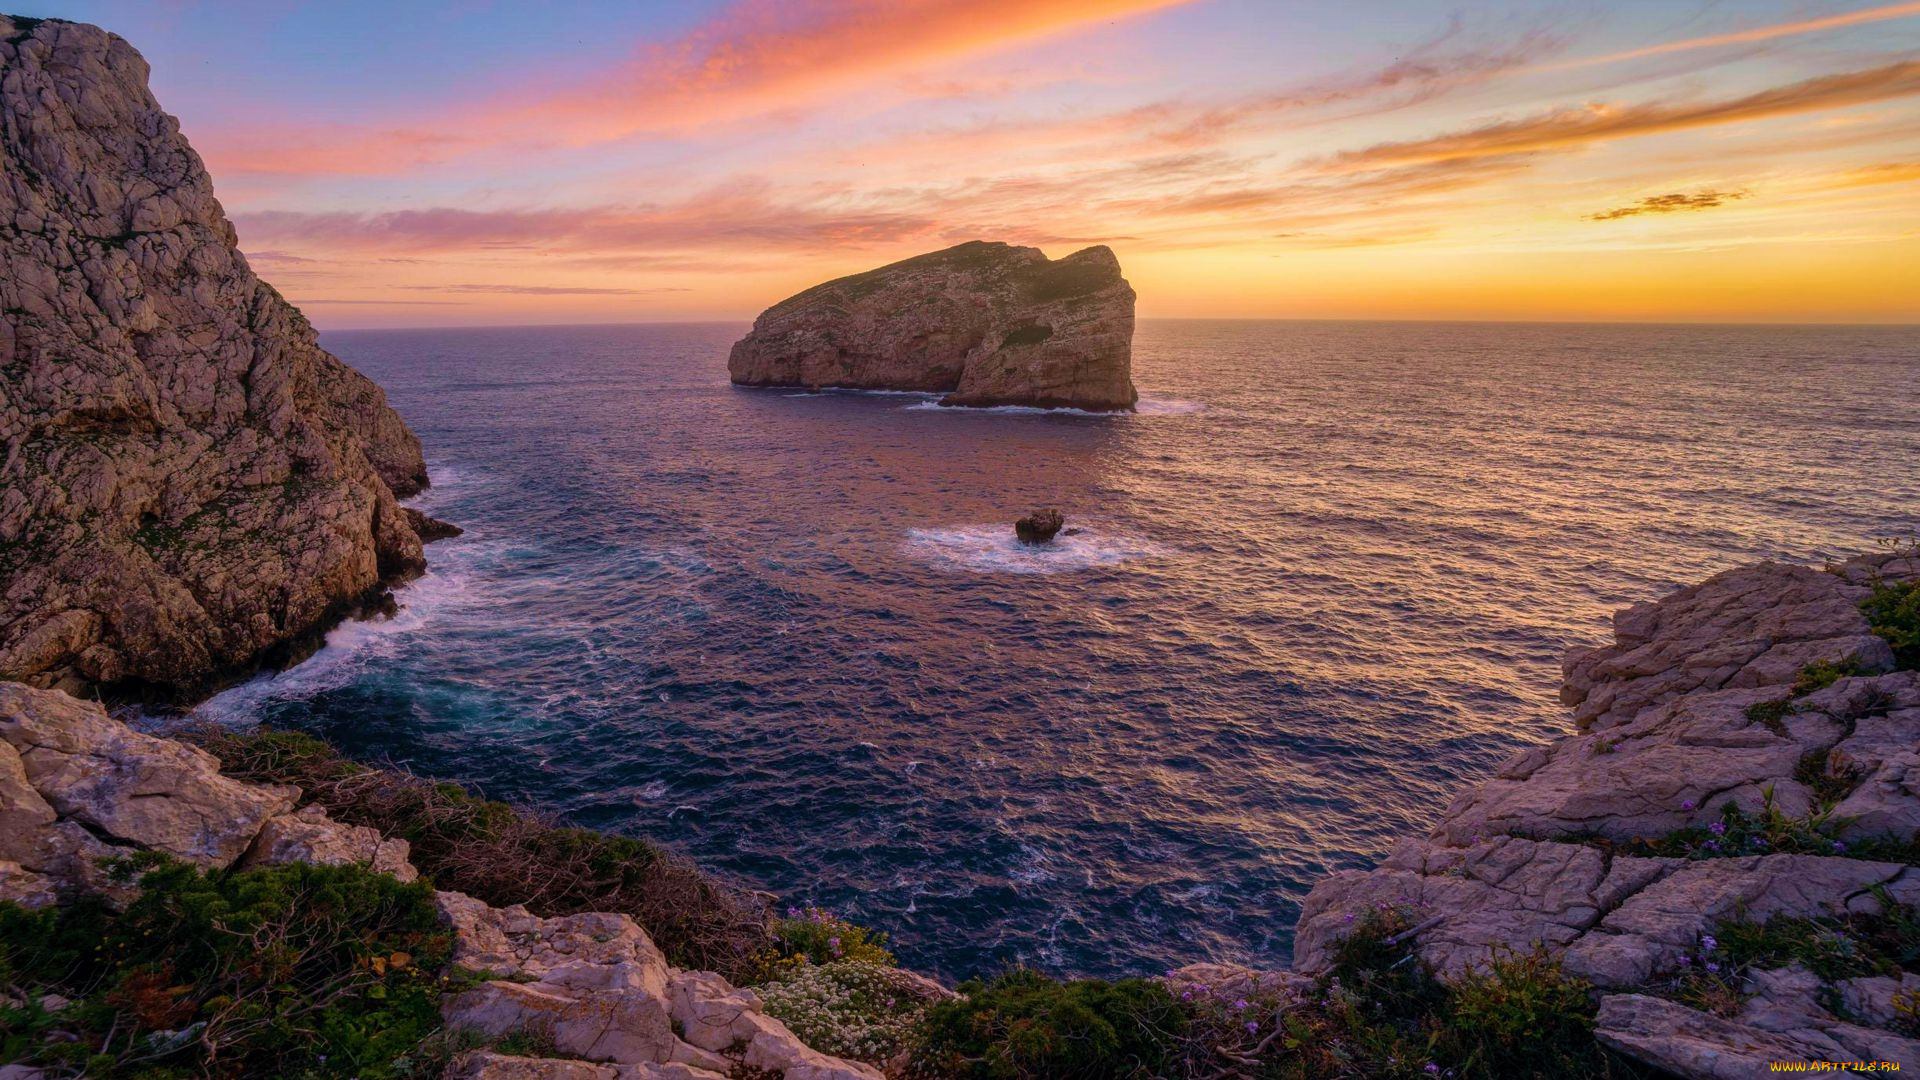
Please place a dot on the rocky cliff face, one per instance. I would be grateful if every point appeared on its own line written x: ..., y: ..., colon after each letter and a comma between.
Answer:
x: 1706, y: 700
x: 983, y: 323
x: 187, y: 480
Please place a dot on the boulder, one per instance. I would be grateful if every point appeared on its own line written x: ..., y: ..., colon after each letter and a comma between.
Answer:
x: 982, y: 323
x: 1039, y: 527
x: 309, y: 836
x: 596, y: 985
x: 191, y: 484
x: 430, y: 529
x: 119, y: 786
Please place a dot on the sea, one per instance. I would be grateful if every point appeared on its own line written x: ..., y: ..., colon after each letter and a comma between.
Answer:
x: 1323, y: 579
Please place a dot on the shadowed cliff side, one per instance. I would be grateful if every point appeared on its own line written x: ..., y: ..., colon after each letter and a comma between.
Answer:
x: 188, y: 482
x: 984, y: 323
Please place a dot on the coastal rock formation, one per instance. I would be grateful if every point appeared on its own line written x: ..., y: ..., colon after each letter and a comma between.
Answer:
x: 187, y: 480
x: 1707, y: 700
x: 984, y: 323
x: 1039, y: 527
x: 77, y: 786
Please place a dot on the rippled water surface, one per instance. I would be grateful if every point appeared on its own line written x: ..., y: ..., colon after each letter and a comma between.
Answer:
x: 1325, y: 578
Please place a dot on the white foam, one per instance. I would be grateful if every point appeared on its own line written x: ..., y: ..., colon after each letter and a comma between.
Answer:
x: 1145, y: 407
x: 991, y: 549
x: 353, y: 646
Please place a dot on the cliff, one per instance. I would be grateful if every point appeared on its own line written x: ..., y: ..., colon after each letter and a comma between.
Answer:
x: 983, y: 323
x: 190, y: 481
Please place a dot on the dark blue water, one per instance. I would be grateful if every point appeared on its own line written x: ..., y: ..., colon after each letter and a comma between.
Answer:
x: 1326, y: 578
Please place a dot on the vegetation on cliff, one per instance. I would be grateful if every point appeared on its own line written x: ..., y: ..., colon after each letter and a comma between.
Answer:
x: 507, y: 855
x: 290, y: 971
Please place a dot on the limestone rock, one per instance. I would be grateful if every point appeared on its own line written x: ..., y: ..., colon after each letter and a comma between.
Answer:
x: 122, y: 787
x: 984, y: 323
x: 309, y: 836
x: 187, y: 480
x: 597, y: 986
x: 589, y: 1024
x: 1754, y: 626
x: 1687, y: 1042
x: 430, y: 529
x: 25, y: 887
x: 487, y: 1065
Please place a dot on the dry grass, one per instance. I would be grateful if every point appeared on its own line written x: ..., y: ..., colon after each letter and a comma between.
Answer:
x: 509, y: 855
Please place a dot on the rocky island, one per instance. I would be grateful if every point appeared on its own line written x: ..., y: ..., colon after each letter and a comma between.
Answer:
x: 984, y: 324
x: 190, y: 482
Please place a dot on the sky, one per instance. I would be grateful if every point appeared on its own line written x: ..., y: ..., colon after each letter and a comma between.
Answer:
x: 476, y: 163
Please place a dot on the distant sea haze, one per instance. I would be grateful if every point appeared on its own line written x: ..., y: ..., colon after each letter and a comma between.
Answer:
x: 1326, y: 576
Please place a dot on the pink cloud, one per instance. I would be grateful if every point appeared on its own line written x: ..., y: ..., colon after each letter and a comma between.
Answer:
x: 755, y: 59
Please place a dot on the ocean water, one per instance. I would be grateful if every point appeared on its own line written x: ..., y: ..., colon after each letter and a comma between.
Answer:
x: 1325, y: 579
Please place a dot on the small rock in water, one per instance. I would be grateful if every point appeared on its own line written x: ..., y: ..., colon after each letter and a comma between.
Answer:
x: 1040, y: 526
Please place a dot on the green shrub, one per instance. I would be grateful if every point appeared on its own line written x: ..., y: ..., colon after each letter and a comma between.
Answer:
x: 1380, y: 1012
x: 1026, y: 1026
x: 504, y: 856
x: 293, y: 971
x: 1821, y: 674
x: 811, y: 936
x: 1521, y: 1016
x: 1893, y: 612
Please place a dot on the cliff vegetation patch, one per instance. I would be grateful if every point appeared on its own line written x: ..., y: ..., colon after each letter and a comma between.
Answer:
x: 292, y: 971
x: 505, y: 855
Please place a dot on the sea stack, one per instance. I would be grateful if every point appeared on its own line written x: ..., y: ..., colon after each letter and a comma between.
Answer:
x: 983, y: 323
x: 1039, y: 527
x: 188, y: 482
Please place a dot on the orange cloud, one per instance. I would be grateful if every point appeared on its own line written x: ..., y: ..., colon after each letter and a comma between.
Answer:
x: 758, y: 57
x: 1571, y: 128
x: 1899, y: 172
x: 1751, y: 36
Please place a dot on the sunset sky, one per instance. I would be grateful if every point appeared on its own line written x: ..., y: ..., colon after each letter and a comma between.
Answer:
x: 468, y: 162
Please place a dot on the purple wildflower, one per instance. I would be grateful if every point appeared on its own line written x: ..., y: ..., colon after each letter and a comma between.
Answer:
x: 1838, y: 847
x: 1718, y: 828
x: 1712, y: 967
x: 1709, y: 942
x: 1252, y: 1026
x: 1432, y: 1068
x: 1240, y: 1003
x: 1686, y: 804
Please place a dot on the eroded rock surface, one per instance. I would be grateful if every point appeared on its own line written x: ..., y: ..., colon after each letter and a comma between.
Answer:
x: 187, y: 480
x: 77, y: 786
x: 1694, y: 707
x: 597, y: 988
x: 984, y: 323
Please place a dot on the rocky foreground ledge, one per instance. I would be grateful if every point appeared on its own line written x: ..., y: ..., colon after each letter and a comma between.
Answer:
x: 1748, y: 714
x: 78, y: 787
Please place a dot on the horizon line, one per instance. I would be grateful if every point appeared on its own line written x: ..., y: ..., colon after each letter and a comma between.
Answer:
x: 1827, y: 324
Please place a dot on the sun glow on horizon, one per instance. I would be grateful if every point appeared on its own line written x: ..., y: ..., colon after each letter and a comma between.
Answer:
x: 654, y: 161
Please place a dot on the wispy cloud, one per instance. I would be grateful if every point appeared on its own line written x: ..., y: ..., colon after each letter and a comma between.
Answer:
x: 1564, y: 129
x: 1677, y: 202
x: 1753, y: 35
